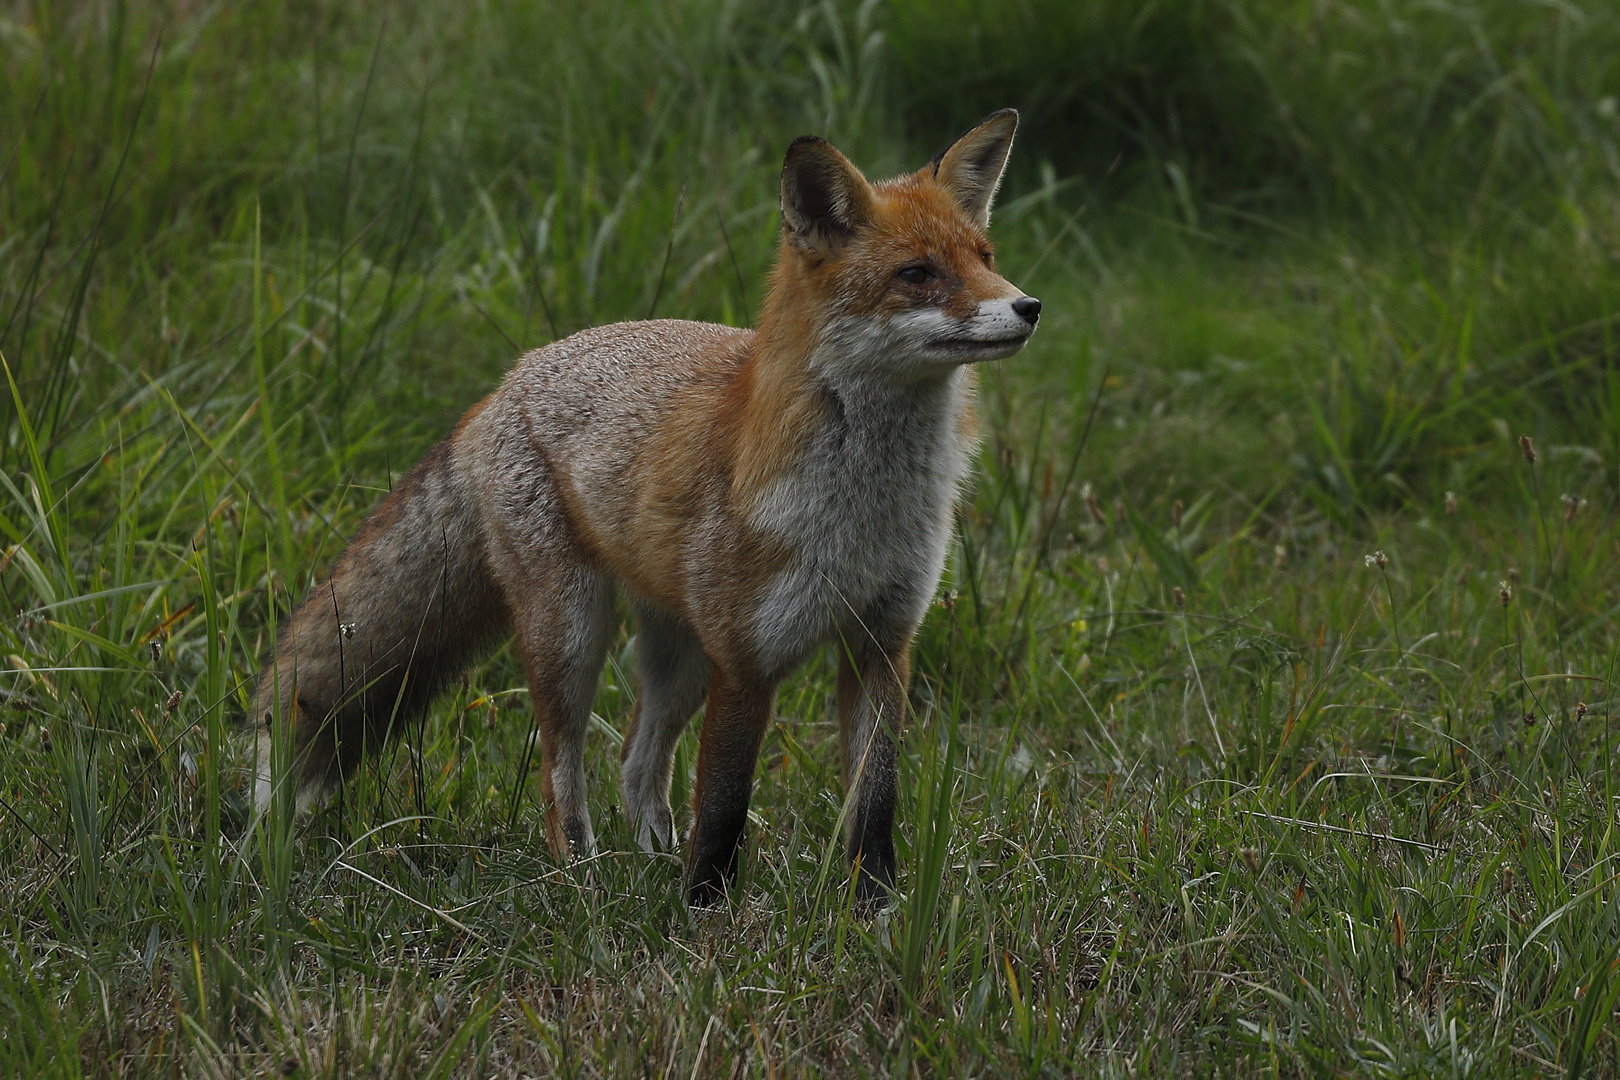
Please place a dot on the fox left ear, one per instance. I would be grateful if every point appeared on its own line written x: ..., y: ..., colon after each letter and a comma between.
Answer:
x: 970, y: 168
x: 824, y: 198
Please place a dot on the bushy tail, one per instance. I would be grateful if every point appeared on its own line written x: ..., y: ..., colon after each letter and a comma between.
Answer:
x: 410, y: 603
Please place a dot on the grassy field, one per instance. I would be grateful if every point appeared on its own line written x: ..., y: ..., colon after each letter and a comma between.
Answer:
x: 1266, y: 724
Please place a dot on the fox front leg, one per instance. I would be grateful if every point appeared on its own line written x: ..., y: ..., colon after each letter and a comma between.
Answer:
x: 871, y: 704
x: 733, y: 726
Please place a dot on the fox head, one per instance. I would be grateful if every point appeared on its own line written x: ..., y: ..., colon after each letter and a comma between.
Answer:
x: 898, y: 277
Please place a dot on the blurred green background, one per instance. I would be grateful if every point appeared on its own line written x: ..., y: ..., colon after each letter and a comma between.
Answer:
x: 1382, y: 225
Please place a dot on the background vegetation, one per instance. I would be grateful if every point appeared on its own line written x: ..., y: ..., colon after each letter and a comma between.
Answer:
x: 1267, y: 723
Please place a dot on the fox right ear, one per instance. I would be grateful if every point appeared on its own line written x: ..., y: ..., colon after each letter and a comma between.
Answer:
x: 824, y: 197
x: 971, y: 167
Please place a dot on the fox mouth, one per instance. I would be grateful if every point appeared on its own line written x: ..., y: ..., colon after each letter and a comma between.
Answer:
x: 1012, y: 342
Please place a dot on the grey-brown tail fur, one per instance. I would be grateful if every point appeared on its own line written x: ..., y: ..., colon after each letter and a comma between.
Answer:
x: 410, y: 603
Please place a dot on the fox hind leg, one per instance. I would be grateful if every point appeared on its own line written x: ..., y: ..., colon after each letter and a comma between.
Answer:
x: 564, y: 632
x: 674, y: 677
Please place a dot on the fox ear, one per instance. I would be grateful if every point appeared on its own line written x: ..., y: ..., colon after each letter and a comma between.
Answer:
x: 970, y: 168
x: 824, y: 197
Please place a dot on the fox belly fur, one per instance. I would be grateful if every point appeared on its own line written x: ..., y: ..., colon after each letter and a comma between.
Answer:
x: 754, y: 493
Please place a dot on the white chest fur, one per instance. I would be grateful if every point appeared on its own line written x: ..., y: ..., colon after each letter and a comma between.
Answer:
x: 867, y: 514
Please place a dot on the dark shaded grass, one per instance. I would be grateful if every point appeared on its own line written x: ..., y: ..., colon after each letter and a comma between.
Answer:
x: 1389, y: 113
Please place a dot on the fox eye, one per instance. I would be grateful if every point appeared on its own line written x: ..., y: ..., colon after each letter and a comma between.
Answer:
x: 915, y: 275
x: 989, y: 259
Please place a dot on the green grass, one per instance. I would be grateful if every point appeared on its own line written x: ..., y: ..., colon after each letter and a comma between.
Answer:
x: 1196, y: 784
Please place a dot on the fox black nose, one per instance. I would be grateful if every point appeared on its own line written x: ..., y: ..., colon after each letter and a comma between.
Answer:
x: 1028, y: 308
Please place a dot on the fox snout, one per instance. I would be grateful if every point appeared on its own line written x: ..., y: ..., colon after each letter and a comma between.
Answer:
x: 998, y: 329
x: 1008, y: 323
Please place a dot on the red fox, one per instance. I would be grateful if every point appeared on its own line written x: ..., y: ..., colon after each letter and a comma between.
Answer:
x: 754, y: 494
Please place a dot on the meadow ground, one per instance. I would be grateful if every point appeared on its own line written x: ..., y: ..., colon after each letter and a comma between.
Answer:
x: 1265, y: 725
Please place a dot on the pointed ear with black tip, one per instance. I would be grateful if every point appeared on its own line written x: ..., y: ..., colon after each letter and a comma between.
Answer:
x: 970, y: 168
x: 824, y: 198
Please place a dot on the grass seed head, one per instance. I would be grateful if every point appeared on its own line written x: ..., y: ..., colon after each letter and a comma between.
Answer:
x: 1527, y: 447
x: 1179, y: 597
x: 1451, y: 502
x: 1378, y: 559
x: 1572, y: 506
x: 1504, y: 593
x: 1176, y: 510
x: 1093, y: 507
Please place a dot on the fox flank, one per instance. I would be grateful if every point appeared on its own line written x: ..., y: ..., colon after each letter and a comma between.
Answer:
x: 753, y: 493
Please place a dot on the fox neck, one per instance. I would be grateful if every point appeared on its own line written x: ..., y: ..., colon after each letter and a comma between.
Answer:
x: 812, y: 363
